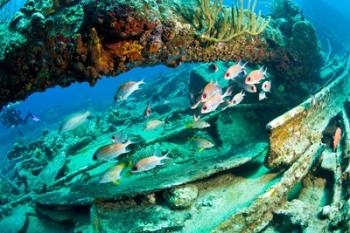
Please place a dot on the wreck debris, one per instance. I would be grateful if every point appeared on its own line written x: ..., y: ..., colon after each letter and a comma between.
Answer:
x: 78, y: 186
x: 260, y: 212
x: 290, y: 135
x: 293, y: 145
x: 13, y: 185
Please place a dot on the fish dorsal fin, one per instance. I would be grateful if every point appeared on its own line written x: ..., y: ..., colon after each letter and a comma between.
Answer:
x: 196, y: 118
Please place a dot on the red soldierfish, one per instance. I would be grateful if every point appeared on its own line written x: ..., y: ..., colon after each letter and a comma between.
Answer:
x: 336, y: 138
x: 235, y: 70
x: 266, y: 86
x: 111, y: 151
x: 255, y: 76
x: 237, y: 99
x: 126, y: 89
x: 210, y: 90
x: 213, y: 103
x: 250, y: 88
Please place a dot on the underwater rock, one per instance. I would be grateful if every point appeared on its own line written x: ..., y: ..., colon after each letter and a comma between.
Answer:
x: 72, y: 215
x: 78, y: 143
x: 275, y: 37
x: 181, y: 197
x: 16, y: 221
x: 37, y: 224
x: 48, y: 175
x: 38, y: 20
x: 16, y: 18
x: 329, y: 161
x: 303, y: 47
x: 297, y: 212
x: 333, y: 213
x: 136, y: 218
x: 102, y: 38
x: 299, y: 215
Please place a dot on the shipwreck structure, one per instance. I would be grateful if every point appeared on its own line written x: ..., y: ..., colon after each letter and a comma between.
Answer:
x: 275, y: 170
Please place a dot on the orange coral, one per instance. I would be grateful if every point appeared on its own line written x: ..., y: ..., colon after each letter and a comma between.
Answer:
x: 126, y: 49
x: 101, y: 58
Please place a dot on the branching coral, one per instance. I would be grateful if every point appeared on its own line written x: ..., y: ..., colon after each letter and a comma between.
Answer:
x: 222, y: 24
x: 211, y: 13
x: 257, y: 23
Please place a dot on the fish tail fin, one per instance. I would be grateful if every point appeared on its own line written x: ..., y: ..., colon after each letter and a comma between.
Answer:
x: 228, y: 92
x: 142, y: 81
x: 243, y: 68
x: 195, y: 117
x: 262, y: 96
x: 265, y: 73
x: 129, y: 142
x: 196, y: 105
x: 166, y: 156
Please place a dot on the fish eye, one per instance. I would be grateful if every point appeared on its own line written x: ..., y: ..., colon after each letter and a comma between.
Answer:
x: 205, y: 108
x: 204, y: 95
x: 227, y: 74
x: 252, y: 88
x: 248, y: 79
x: 234, y: 102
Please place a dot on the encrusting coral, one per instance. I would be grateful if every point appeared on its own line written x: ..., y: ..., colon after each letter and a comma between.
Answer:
x: 222, y: 24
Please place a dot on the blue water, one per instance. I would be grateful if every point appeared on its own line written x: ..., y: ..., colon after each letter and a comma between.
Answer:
x: 9, y: 9
x: 54, y: 104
